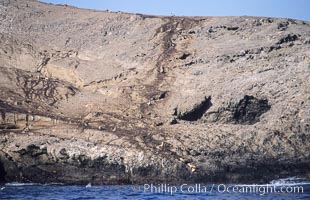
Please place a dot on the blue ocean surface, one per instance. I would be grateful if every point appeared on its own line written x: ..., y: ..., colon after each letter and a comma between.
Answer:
x: 57, y: 191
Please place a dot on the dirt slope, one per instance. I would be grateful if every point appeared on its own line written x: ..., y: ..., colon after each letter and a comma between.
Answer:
x: 103, y: 97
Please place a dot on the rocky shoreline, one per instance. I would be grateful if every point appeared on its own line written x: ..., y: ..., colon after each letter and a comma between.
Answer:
x: 116, y: 98
x: 47, y: 158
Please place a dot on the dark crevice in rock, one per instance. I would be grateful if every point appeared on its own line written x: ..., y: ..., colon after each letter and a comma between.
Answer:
x: 160, y: 96
x: 233, y: 28
x: 273, y: 47
x: 2, y: 173
x: 8, y: 126
x: 173, y: 121
x: 189, y: 64
x: 184, y: 56
x: 35, y: 151
x: 197, y: 112
x: 249, y: 109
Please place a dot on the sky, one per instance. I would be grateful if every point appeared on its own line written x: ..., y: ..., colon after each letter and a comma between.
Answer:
x: 297, y: 9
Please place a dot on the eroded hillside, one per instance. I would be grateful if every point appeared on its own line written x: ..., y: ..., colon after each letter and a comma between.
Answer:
x: 103, y: 97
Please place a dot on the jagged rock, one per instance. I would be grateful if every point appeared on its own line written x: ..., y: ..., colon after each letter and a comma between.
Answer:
x: 173, y: 121
x: 249, y: 109
x: 34, y: 150
x: 283, y: 26
x: 288, y: 38
x: 196, y: 112
x: 244, y: 111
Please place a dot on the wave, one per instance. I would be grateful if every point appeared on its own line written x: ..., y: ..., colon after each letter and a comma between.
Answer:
x: 17, y: 184
x: 282, y: 182
x: 21, y: 184
x: 290, y: 181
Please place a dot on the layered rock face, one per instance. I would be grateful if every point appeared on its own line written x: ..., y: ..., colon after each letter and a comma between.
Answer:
x: 115, y: 98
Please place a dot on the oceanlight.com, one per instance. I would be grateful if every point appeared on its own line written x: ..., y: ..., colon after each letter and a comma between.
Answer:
x: 221, y: 188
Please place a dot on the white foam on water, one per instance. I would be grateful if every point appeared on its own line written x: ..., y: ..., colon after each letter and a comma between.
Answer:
x: 17, y: 184
x: 290, y: 181
x: 282, y: 182
x: 21, y: 184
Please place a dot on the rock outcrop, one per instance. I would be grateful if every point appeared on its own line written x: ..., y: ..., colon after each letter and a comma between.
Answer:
x: 117, y: 98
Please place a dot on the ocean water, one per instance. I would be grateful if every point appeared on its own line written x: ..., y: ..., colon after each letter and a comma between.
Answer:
x: 164, y: 191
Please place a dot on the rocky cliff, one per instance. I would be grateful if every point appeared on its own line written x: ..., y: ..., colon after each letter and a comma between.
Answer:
x: 112, y: 98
